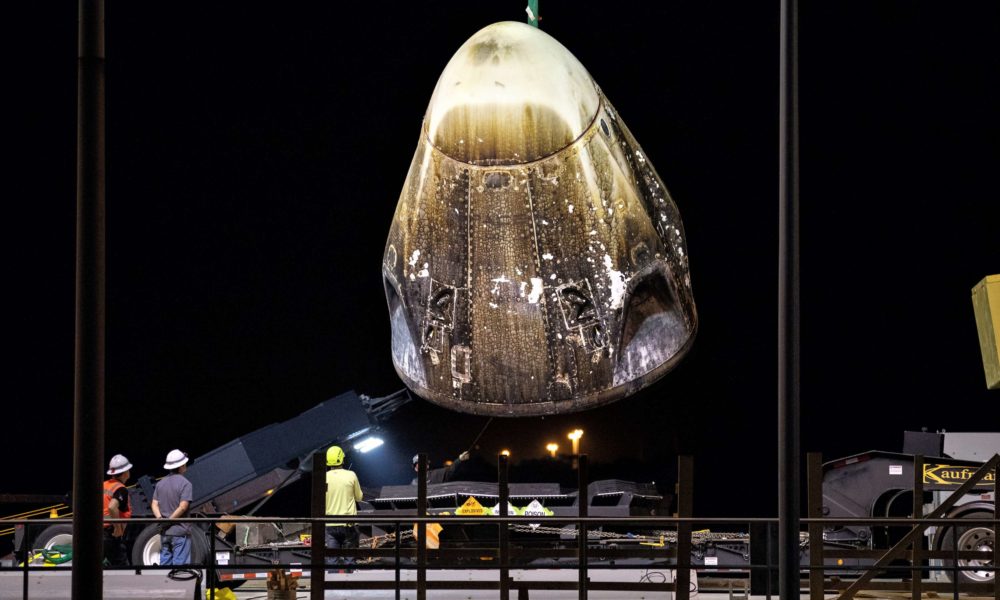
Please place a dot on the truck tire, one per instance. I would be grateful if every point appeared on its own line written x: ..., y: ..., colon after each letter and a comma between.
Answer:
x: 53, y: 535
x: 970, y: 537
x: 146, y: 549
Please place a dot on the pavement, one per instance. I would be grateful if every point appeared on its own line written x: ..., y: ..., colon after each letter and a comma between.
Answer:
x: 256, y: 590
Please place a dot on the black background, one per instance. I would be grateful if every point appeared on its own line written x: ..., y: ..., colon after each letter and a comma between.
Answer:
x: 255, y: 156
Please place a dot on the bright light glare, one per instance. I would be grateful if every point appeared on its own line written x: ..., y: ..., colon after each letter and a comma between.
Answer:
x: 552, y: 447
x: 505, y: 452
x: 575, y: 434
x: 368, y: 444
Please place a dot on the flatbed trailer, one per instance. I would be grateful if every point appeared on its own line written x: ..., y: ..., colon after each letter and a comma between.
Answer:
x: 238, y: 476
x: 871, y: 484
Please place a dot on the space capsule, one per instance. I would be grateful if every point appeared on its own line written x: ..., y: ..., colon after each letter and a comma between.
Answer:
x: 536, y: 263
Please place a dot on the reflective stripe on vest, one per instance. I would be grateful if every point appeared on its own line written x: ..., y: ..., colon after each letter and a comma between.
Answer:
x: 110, y: 487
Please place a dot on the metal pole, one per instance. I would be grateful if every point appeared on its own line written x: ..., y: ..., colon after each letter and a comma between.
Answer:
x: 88, y: 397
x: 788, y: 308
x: 955, y: 573
x: 685, y: 510
x: 770, y: 565
x: 504, y: 531
x: 395, y: 556
x: 814, y: 499
x: 917, y: 575
x: 211, y: 564
x: 583, y: 503
x: 27, y: 561
x: 996, y: 534
x: 421, y: 527
x: 317, y: 584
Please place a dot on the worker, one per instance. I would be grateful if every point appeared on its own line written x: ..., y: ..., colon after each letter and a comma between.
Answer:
x: 445, y: 473
x: 172, y: 497
x: 343, y: 492
x: 116, y: 506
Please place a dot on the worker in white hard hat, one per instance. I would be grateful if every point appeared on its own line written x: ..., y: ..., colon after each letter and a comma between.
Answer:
x: 172, y: 497
x: 343, y: 492
x: 416, y: 468
x: 116, y: 506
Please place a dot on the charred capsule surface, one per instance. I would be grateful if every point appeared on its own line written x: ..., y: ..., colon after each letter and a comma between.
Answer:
x: 536, y: 263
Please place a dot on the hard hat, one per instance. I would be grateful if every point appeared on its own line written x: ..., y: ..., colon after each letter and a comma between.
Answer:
x: 416, y: 458
x: 118, y: 465
x: 334, y: 456
x: 175, y: 458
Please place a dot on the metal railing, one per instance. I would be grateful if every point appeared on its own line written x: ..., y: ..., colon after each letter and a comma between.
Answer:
x: 393, y: 556
x: 825, y: 569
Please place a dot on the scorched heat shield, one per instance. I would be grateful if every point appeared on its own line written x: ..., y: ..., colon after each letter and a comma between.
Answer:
x: 536, y: 263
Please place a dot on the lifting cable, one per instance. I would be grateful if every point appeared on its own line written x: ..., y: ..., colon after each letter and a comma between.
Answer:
x: 481, y: 432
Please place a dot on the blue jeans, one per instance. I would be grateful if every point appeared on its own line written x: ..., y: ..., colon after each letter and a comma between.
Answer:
x: 175, y: 550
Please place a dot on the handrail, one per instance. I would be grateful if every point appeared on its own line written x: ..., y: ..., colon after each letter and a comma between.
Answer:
x: 361, y: 519
x: 674, y: 552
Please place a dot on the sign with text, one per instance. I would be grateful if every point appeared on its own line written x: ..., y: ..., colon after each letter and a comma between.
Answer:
x: 954, y: 475
x: 472, y: 508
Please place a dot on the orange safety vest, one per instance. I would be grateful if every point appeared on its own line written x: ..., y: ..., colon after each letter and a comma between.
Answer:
x: 110, y: 487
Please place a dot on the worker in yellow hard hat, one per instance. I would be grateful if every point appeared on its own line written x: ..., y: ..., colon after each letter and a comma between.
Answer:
x: 343, y: 492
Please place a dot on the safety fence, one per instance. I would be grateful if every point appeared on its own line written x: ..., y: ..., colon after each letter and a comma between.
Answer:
x: 675, y: 545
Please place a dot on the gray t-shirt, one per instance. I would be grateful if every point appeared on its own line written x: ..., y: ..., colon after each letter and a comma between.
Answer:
x: 169, y: 493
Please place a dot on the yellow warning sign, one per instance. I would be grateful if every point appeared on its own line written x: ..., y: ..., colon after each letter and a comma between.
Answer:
x: 472, y: 508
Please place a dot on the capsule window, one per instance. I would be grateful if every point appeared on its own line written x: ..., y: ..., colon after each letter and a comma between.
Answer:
x: 496, y: 180
x: 578, y: 306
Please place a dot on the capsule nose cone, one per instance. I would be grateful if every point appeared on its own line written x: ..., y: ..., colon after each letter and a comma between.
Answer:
x: 511, y: 94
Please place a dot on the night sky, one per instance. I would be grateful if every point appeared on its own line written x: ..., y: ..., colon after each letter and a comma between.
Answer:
x: 256, y: 154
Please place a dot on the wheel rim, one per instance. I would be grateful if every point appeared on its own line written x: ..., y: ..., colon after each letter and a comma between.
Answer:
x: 151, y: 551
x: 60, y: 539
x: 977, y: 539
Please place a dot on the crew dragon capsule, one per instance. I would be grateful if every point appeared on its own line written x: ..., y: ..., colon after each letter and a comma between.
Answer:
x: 536, y: 264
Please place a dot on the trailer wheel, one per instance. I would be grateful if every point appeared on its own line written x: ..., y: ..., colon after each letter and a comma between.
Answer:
x: 146, y: 550
x: 970, y: 538
x: 54, y: 535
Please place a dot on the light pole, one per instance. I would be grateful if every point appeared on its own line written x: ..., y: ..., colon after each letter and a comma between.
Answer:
x: 552, y: 447
x: 575, y: 436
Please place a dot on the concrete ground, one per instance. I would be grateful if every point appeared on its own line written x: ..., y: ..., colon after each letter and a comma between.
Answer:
x: 256, y: 590
x: 55, y: 585
x: 155, y: 586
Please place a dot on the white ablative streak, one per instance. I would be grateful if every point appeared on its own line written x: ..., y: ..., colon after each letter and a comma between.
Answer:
x: 617, y: 283
x: 536, y: 290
